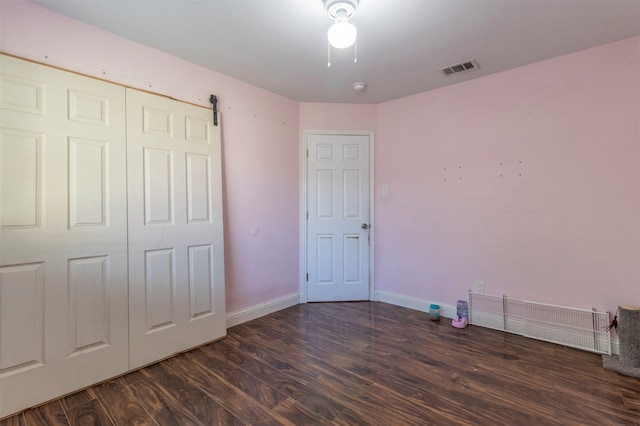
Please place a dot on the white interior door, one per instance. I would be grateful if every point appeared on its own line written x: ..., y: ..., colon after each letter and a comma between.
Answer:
x: 63, y: 241
x: 338, y: 188
x: 176, y: 263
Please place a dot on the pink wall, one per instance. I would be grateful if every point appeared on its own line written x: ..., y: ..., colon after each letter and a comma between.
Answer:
x: 260, y: 139
x: 318, y: 116
x: 528, y: 180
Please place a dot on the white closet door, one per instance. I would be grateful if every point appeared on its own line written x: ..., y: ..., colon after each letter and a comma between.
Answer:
x: 176, y: 276
x: 63, y: 241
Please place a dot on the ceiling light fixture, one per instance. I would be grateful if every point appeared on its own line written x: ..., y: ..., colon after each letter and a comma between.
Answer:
x: 342, y: 33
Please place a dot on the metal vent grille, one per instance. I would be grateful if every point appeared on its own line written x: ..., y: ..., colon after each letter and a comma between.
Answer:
x: 458, y: 68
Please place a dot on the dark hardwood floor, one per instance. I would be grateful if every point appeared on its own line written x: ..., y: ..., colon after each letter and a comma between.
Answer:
x: 358, y: 364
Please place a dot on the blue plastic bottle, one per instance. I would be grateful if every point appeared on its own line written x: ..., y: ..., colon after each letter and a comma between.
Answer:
x: 434, y: 312
x: 462, y: 309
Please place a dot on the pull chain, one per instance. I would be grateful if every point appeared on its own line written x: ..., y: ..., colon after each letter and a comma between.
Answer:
x: 355, y: 52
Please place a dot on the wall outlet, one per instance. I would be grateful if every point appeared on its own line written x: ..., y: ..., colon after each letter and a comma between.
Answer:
x: 479, y: 287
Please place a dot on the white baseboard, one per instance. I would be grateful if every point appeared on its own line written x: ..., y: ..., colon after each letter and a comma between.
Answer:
x: 448, y: 311
x: 262, y: 309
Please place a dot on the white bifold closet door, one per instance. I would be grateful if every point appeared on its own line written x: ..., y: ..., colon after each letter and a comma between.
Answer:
x: 176, y: 264
x: 111, y: 242
x: 63, y: 233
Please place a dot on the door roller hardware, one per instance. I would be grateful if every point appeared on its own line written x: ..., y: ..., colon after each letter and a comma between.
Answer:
x: 214, y: 101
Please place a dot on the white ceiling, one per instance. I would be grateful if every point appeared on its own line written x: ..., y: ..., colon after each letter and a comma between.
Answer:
x: 280, y: 45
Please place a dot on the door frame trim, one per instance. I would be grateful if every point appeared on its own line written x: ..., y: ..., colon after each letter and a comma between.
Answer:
x: 302, y: 256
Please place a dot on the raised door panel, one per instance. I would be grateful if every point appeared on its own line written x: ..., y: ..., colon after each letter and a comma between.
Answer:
x: 351, y: 193
x: 158, y: 186
x: 22, y: 95
x: 201, y: 281
x: 21, y: 179
x: 198, y: 171
x: 21, y: 317
x: 325, y: 259
x: 325, y: 194
x: 88, y: 291
x: 159, y: 289
x: 88, y: 182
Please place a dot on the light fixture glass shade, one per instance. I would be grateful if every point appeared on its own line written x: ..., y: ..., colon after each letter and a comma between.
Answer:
x: 342, y: 33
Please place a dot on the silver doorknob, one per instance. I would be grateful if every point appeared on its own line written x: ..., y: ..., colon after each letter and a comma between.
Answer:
x: 365, y: 226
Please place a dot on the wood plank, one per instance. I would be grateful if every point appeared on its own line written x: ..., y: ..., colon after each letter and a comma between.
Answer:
x: 248, y: 383
x: 227, y: 394
x: 71, y: 401
x: 17, y: 420
x: 199, y: 404
x: 290, y: 378
x: 48, y: 414
x: 88, y: 413
x: 133, y: 377
x: 121, y: 405
x: 163, y: 408
x: 299, y: 414
x: 281, y: 405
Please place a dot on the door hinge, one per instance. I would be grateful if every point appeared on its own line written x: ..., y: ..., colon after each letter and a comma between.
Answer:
x: 307, y: 277
x: 307, y: 153
x: 307, y: 214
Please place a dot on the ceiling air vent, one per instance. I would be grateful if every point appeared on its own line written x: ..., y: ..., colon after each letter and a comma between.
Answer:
x: 458, y: 68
